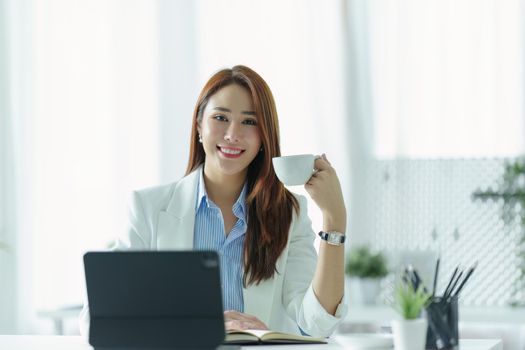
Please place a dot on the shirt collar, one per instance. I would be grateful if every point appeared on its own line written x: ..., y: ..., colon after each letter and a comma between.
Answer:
x: 202, y: 196
x: 239, y: 208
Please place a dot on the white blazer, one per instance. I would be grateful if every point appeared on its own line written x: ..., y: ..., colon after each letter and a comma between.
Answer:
x: 163, y: 218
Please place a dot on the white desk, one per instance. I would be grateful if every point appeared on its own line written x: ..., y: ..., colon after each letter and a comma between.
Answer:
x: 469, y: 314
x: 38, y: 342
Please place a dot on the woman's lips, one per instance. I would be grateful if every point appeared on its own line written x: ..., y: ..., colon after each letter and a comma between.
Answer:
x: 230, y: 152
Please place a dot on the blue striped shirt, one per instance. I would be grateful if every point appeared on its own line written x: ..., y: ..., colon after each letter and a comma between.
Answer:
x: 210, y: 234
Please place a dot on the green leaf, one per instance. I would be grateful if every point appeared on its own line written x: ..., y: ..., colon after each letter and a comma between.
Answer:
x: 362, y: 263
x: 409, y: 302
x: 511, y: 191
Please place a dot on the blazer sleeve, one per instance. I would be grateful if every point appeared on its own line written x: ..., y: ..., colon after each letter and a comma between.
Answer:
x: 299, y: 299
x: 137, y: 237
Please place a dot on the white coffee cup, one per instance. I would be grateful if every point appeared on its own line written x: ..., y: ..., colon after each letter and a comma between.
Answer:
x: 294, y: 170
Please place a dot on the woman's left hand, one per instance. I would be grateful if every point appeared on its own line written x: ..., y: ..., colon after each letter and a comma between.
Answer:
x: 234, y: 320
x: 325, y: 190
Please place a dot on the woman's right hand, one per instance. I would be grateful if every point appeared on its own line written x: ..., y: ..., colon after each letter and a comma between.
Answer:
x: 234, y: 320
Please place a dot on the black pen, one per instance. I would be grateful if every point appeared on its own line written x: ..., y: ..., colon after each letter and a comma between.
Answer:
x: 419, y: 281
x: 469, y: 273
x: 454, y: 285
x: 435, y: 278
x: 450, y: 282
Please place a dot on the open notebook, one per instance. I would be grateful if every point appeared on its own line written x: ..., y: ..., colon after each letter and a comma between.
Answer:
x: 252, y: 336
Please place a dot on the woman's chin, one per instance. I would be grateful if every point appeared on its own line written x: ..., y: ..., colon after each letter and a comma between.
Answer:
x: 226, y: 168
x: 233, y: 171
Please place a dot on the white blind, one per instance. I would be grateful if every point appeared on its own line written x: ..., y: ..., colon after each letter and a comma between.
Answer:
x: 96, y: 133
x: 447, y: 77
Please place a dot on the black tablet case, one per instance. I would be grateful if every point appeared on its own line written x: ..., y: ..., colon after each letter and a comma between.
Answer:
x: 152, y: 299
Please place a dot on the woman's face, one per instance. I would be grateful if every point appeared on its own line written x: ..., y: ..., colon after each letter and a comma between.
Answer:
x: 229, y: 131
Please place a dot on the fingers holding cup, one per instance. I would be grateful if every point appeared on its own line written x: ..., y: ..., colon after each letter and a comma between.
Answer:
x: 324, y: 186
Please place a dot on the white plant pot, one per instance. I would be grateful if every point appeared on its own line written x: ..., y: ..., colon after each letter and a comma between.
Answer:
x: 364, y: 291
x: 410, y: 334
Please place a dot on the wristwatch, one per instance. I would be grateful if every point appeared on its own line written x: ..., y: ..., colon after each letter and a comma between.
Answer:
x: 332, y: 237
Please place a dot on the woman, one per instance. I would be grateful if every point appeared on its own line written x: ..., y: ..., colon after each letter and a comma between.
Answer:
x: 231, y: 201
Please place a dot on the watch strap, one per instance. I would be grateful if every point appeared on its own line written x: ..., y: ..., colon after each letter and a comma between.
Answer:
x: 332, y: 237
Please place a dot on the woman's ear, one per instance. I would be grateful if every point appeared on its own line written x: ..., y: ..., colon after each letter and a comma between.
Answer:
x: 199, y: 130
x: 198, y: 126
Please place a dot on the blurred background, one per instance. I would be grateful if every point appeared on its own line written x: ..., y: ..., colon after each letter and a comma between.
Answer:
x: 418, y: 104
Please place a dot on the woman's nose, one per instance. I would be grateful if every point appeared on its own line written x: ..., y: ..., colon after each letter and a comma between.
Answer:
x: 232, y: 133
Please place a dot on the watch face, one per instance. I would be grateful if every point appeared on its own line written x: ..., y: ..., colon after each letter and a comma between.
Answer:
x: 334, y: 238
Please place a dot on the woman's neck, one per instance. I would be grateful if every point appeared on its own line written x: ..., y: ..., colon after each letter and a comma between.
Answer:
x: 223, y: 190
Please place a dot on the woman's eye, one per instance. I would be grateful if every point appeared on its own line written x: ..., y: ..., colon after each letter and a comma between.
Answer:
x: 250, y: 122
x: 220, y: 117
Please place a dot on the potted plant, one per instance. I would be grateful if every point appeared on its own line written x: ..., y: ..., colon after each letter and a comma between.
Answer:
x: 365, y: 271
x: 510, y: 194
x: 410, y: 331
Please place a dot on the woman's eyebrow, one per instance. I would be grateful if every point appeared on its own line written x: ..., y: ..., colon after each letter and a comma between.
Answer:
x: 229, y: 110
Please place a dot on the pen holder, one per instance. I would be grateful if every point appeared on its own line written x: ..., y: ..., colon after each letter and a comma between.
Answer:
x: 442, y: 316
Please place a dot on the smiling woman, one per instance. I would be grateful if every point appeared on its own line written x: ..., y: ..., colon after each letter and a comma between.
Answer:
x: 231, y: 201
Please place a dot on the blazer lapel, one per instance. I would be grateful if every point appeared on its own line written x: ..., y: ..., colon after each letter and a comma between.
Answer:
x: 175, y: 225
x: 259, y: 299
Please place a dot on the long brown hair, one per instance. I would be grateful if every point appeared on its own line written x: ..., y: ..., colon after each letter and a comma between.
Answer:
x: 270, y: 205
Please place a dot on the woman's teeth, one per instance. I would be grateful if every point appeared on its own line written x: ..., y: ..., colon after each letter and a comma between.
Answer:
x: 230, y: 151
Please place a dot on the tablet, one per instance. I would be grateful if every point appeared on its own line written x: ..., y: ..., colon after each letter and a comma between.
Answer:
x: 154, y: 299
